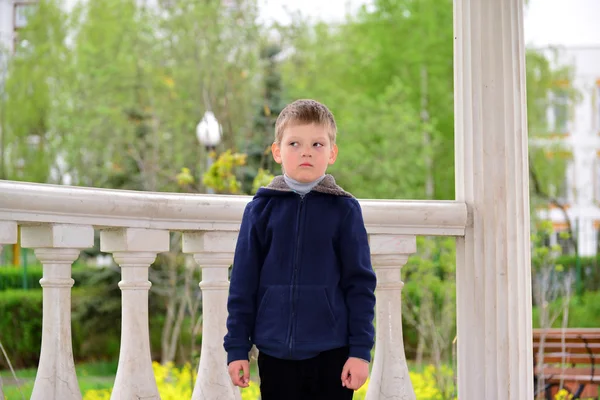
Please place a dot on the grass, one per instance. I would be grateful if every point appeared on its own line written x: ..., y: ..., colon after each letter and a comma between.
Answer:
x: 97, y: 375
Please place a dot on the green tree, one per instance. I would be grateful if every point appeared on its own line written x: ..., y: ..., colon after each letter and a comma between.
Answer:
x: 392, y: 97
x: 115, y: 89
x: 387, y: 73
x: 33, y: 80
x: 120, y: 99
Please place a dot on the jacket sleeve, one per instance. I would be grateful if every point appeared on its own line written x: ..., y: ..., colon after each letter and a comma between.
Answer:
x: 358, y: 283
x: 247, y: 263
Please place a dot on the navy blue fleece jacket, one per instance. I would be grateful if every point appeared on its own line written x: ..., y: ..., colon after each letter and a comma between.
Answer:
x: 302, y: 280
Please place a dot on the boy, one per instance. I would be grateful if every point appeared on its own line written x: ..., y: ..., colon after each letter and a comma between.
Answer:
x: 302, y: 285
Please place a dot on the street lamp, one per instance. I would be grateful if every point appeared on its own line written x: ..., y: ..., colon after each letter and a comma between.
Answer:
x: 209, y: 132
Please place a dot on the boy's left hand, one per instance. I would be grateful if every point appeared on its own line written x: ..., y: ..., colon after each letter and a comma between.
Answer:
x: 355, y: 373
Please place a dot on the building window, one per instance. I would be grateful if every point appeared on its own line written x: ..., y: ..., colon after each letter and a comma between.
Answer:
x: 565, y: 242
x: 560, y: 111
x: 22, y: 13
x: 597, y: 105
x: 562, y: 190
x: 597, y: 178
x: 561, y: 237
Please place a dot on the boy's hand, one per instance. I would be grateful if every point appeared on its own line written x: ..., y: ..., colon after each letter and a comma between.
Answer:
x: 235, y: 367
x: 355, y: 373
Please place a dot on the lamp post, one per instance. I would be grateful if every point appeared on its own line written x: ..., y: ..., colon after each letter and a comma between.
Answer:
x: 209, y: 132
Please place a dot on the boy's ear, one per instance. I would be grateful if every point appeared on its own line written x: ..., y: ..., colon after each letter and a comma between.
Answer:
x: 333, y: 154
x: 276, y: 151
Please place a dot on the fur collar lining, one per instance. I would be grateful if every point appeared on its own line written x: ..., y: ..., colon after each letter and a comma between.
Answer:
x: 327, y: 185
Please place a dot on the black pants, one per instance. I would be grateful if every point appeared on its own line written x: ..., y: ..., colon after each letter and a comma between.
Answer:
x: 318, y: 378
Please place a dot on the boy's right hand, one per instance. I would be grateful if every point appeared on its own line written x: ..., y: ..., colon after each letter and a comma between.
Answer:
x: 235, y: 367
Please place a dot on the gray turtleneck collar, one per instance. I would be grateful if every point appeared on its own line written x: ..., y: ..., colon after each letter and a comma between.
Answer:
x: 300, y: 187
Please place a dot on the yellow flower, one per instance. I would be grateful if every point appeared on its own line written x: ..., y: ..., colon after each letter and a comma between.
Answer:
x: 563, y: 395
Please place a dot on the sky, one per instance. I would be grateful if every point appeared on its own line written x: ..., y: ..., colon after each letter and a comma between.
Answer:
x: 547, y: 22
x: 563, y: 22
x: 329, y: 10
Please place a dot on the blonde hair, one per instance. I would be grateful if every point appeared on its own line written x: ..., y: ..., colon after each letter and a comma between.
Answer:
x: 305, y: 112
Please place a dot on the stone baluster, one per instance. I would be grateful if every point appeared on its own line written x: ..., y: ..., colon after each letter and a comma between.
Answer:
x: 8, y: 235
x: 389, y: 376
x: 56, y: 246
x: 213, y: 251
x: 134, y: 249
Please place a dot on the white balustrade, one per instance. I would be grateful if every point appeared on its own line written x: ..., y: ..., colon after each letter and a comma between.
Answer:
x: 213, y: 251
x: 389, y: 376
x: 134, y: 249
x: 135, y: 228
x: 56, y: 246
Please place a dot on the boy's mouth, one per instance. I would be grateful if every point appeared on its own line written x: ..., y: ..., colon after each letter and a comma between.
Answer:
x: 306, y: 165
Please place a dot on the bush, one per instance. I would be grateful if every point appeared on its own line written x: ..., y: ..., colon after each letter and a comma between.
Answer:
x: 590, y: 270
x: 21, y: 322
x: 95, y: 318
x: 15, y: 277
x: 584, y: 311
x: 12, y: 277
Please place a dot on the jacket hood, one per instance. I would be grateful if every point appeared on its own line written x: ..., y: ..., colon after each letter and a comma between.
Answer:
x: 326, y: 186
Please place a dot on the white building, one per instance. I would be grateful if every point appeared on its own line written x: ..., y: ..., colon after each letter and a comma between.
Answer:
x: 576, y: 127
x: 13, y: 16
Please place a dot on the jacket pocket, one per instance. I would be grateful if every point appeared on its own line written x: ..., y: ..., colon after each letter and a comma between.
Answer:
x: 316, y: 319
x: 272, y: 317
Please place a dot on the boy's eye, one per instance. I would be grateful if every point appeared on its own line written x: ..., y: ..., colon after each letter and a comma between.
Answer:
x: 318, y: 144
x: 293, y: 144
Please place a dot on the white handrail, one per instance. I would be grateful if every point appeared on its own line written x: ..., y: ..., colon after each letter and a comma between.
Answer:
x: 34, y: 202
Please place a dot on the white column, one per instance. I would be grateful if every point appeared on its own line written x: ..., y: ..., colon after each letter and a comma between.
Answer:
x: 134, y: 250
x: 495, y: 358
x: 213, y: 251
x: 389, y: 376
x: 56, y: 247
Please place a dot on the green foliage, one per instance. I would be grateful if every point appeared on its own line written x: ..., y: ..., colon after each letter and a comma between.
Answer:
x: 429, y: 298
x: 128, y: 93
x: 263, y: 178
x: 590, y: 269
x: 21, y: 326
x: 394, y: 97
x: 135, y: 80
x: 96, y: 317
x: 12, y: 277
x: 584, y: 311
x: 32, y: 82
x: 15, y: 277
x: 542, y: 255
x: 387, y: 95
x: 221, y: 175
x: 272, y: 102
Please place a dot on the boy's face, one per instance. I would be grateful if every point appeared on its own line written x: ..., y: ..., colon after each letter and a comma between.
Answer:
x: 305, y: 152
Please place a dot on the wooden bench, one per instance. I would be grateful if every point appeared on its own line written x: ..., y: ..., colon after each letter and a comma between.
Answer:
x: 571, y: 357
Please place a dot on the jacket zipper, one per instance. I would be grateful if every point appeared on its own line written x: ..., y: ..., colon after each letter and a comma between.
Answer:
x: 295, y: 275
